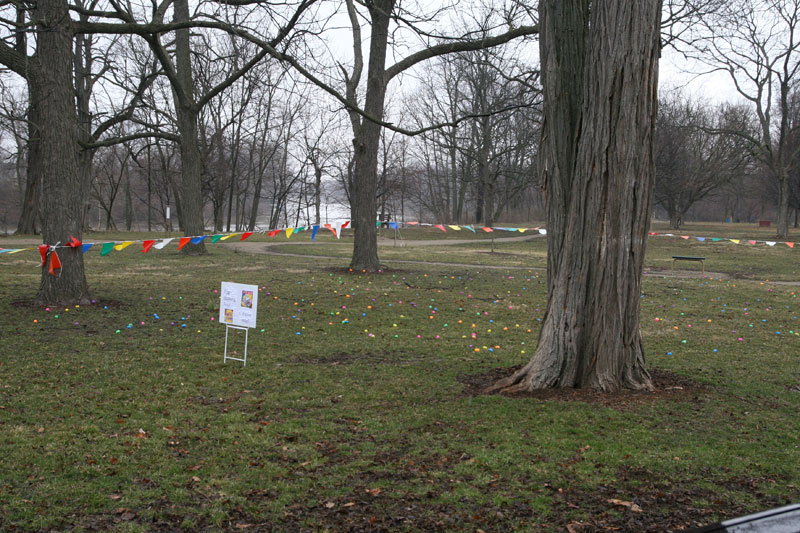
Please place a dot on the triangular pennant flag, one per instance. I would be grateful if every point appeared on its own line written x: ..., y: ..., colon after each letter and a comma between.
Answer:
x: 734, y: 241
x: 43, y: 252
x: 73, y: 242
x: 770, y: 243
x: 337, y: 228
x: 198, y: 240
x: 246, y: 235
x: 289, y: 232
x: 753, y: 242
x: 470, y: 228
x: 314, y: 231
x: 652, y: 233
x: 789, y: 244
x: 298, y: 230
x: 163, y: 243
x: 542, y: 231
x: 412, y: 223
x: 55, y: 262
x: 216, y: 238
x: 183, y: 242
x: 146, y: 245
x: 440, y: 227
x: 521, y: 230
x: 455, y: 228
x: 274, y: 232
x: 378, y: 224
x: 107, y: 247
x: 393, y: 225
x: 121, y: 246
x: 87, y: 246
x: 345, y: 224
x: 228, y: 236
x: 487, y: 230
x: 701, y: 239
x: 715, y: 239
x: 684, y: 236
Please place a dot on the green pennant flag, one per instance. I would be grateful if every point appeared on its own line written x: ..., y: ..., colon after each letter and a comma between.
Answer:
x: 716, y: 239
x: 215, y: 238
x: 107, y: 247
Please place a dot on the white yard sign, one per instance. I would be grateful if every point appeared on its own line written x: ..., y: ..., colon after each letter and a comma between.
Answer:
x: 238, y: 304
x: 238, y: 307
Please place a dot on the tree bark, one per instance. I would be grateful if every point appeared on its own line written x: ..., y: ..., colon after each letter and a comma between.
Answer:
x: 191, y: 189
x: 366, y: 143
x: 599, y: 71
x: 63, y: 190
x: 783, y: 203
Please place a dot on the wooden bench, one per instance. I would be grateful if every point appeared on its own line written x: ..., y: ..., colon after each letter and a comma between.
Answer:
x: 688, y: 258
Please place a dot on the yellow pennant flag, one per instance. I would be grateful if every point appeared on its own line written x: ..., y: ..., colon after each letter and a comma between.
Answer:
x: 521, y: 230
x: 734, y: 241
x: 121, y: 246
x: 289, y: 232
x: 228, y: 236
x: 457, y: 228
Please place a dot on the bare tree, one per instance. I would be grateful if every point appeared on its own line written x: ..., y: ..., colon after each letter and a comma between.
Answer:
x: 48, y: 74
x: 692, y: 162
x: 599, y: 72
x: 757, y: 43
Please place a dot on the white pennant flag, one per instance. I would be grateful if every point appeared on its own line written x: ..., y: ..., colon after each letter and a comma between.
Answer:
x: 543, y: 231
x: 770, y: 243
x: 337, y: 226
x: 162, y: 244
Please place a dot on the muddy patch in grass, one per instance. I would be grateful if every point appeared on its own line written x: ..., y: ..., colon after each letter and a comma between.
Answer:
x: 668, y: 386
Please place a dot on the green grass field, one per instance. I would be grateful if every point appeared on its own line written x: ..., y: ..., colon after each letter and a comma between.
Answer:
x: 359, y: 407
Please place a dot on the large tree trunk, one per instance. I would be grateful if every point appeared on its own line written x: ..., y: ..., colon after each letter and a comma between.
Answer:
x: 599, y: 70
x: 191, y: 207
x: 363, y: 198
x: 63, y: 190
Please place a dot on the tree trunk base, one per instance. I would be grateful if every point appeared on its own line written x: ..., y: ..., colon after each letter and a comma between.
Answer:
x: 194, y: 249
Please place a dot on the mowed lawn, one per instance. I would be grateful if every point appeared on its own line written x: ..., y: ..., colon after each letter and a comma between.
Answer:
x: 360, y: 405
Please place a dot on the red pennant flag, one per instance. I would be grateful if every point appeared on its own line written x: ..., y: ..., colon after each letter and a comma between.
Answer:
x: 684, y: 236
x: 55, y: 263
x: 412, y: 223
x: 752, y: 242
x: 274, y: 232
x: 440, y: 227
x: 345, y: 223
x: 74, y: 243
x: 790, y: 244
x: 146, y: 246
x: 652, y: 233
x: 183, y: 242
x: 43, y: 252
x: 487, y: 230
x: 245, y: 235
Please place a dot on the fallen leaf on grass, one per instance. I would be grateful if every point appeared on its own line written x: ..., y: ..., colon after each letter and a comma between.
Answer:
x: 330, y: 505
x: 114, y: 496
x: 374, y: 491
x: 630, y: 505
x: 349, y: 504
x: 40, y: 430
